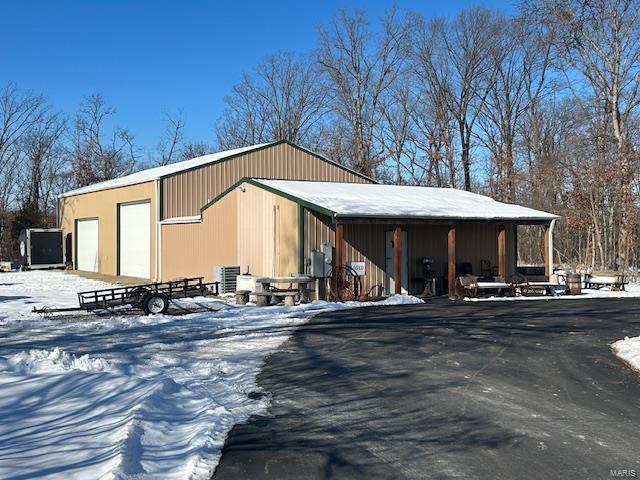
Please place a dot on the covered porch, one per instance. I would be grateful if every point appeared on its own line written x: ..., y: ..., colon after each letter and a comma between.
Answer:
x: 397, y: 236
x: 411, y: 253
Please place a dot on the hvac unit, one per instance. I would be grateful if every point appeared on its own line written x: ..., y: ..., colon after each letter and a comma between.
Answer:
x: 227, y: 277
x: 42, y: 248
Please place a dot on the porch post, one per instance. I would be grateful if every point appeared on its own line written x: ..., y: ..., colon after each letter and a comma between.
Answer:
x: 339, y: 260
x: 451, y: 251
x: 548, y: 248
x: 502, y: 252
x: 397, y: 259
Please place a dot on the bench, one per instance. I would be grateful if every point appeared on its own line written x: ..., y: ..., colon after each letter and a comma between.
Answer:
x: 264, y: 299
x: 614, y: 280
x: 523, y: 286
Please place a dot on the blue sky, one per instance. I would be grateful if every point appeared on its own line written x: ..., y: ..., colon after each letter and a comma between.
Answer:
x: 150, y: 56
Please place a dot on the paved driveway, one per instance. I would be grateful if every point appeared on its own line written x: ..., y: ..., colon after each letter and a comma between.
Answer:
x: 513, y: 390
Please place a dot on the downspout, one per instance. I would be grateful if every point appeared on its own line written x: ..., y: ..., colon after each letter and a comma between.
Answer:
x: 158, y: 258
x: 275, y: 240
x: 551, y: 226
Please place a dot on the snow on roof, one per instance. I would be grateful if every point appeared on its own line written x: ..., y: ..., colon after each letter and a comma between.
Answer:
x: 157, y: 172
x: 372, y: 200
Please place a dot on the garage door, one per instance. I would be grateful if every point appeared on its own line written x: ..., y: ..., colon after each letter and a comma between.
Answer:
x: 87, y: 245
x: 135, y: 240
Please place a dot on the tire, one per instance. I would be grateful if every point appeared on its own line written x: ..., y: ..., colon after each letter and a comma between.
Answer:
x: 137, y: 295
x: 155, y: 303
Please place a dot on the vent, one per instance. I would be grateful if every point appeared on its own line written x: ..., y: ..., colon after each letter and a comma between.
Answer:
x: 227, y: 277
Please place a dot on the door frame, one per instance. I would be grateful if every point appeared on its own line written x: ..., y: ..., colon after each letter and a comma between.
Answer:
x: 75, y: 240
x: 388, y: 276
x: 118, y: 248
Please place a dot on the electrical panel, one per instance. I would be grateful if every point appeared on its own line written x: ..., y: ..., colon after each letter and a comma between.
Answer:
x: 321, y: 261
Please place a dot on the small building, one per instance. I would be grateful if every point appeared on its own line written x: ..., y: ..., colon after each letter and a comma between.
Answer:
x: 267, y: 208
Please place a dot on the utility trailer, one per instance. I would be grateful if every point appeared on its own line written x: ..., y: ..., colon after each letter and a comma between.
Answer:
x: 152, y: 298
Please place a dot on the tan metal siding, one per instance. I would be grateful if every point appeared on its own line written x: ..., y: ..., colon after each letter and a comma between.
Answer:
x: 185, y: 193
x: 364, y: 243
x: 193, y: 249
x: 104, y: 205
x: 267, y: 232
x: 256, y: 242
x: 236, y: 230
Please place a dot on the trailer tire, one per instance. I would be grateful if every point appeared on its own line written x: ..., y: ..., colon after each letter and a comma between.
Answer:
x: 138, y: 294
x: 155, y: 303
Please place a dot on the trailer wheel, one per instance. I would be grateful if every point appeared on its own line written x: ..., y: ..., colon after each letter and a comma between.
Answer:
x: 155, y: 303
x: 137, y: 295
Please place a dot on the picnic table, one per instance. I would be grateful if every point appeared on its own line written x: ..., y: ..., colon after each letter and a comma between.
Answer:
x: 268, y: 282
x: 270, y: 287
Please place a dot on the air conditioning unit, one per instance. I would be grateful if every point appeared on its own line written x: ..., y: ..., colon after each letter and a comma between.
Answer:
x: 42, y: 248
x: 226, y: 275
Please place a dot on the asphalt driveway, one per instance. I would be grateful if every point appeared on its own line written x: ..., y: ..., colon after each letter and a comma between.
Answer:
x: 500, y: 390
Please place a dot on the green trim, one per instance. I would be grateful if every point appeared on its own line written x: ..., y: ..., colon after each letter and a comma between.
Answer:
x: 256, y: 183
x: 223, y: 194
x: 118, y: 238
x: 293, y: 198
x: 300, y: 239
x: 75, y: 243
x: 269, y: 145
x: 161, y: 200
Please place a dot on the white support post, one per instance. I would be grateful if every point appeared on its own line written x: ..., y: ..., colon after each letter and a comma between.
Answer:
x: 158, y: 259
x: 550, y: 246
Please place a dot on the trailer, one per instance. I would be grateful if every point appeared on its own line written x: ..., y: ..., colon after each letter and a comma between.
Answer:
x: 152, y: 298
x: 41, y: 248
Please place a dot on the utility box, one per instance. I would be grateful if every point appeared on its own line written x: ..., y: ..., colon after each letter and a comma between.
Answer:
x: 321, y: 261
x: 42, y: 248
x: 248, y: 283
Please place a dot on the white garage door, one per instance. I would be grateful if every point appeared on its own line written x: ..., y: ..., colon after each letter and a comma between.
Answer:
x: 87, y: 245
x: 135, y: 240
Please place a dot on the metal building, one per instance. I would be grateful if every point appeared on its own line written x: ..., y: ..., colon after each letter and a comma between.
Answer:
x: 116, y: 227
x: 267, y: 208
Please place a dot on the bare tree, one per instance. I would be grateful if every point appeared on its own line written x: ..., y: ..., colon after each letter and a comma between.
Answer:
x: 19, y: 112
x: 193, y: 150
x: 169, y: 147
x: 459, y: 62
x: 99, y: 153
x: 282, y: 100
x: 395, y: 134
x: 42, y: 174
x: 361, y: 66
x: 521, y: 66
x: 600, y: 40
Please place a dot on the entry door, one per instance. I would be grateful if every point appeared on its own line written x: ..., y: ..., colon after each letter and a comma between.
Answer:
x: 87, y: 245
x: 389, y: 263
x: 135, y: 240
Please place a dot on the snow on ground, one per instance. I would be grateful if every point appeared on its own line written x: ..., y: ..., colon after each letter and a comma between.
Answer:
x: 628, y: 350
x: 128, y: 395
x: 632, y: 291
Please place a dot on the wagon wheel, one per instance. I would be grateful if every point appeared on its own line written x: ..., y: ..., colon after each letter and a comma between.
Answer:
x: 344, y: 284
x: 519, y: 282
